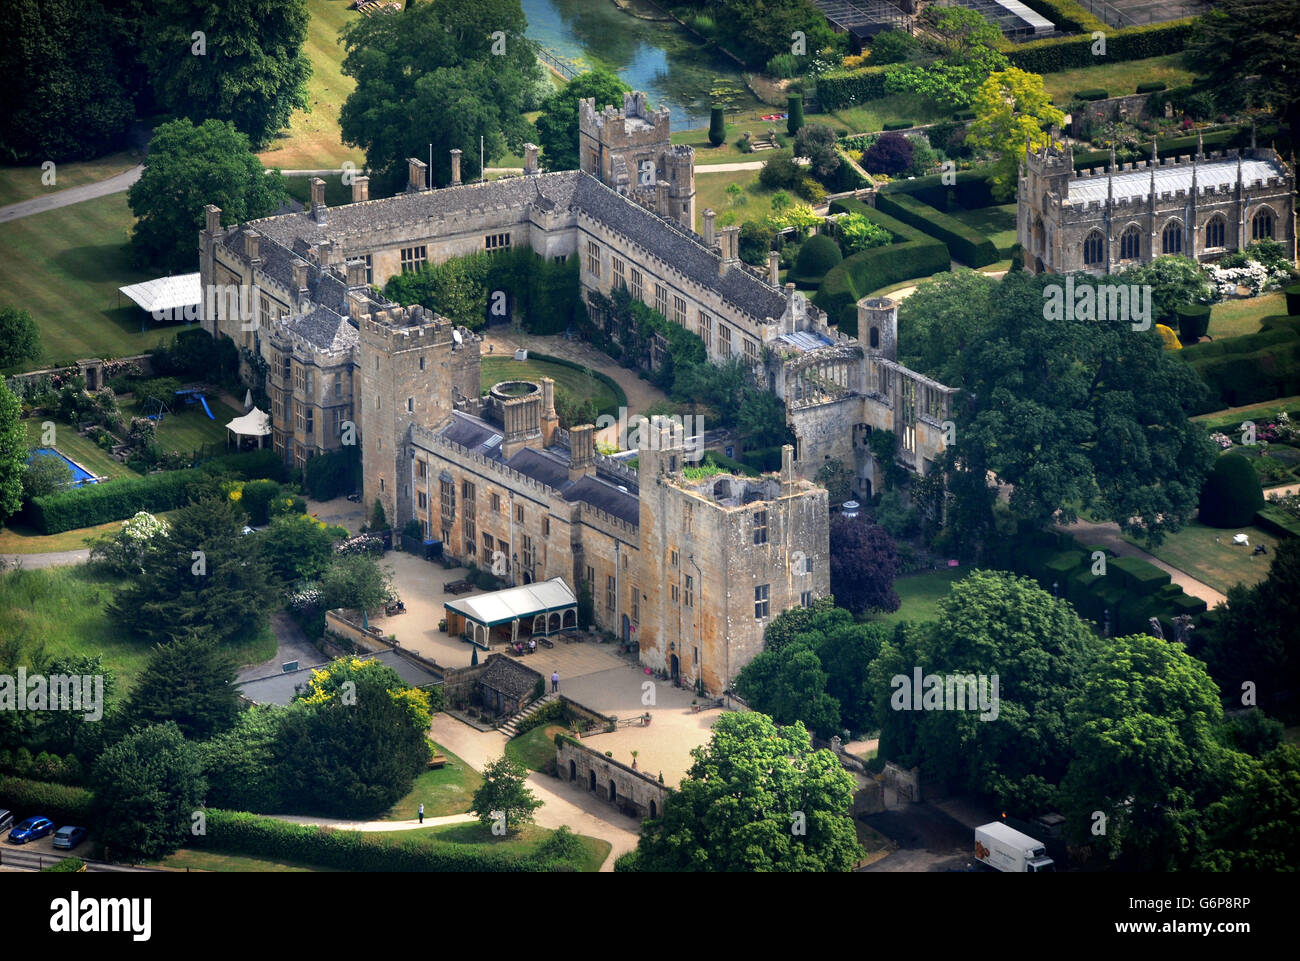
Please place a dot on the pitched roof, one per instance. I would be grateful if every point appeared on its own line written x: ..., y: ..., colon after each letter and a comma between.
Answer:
x: 510, y: 677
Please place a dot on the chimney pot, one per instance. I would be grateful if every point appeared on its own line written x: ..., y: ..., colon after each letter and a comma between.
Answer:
x: 213, y: 216
x: 455, y: 167
x: 709, y: 239
x: 773, y: 267
x: 318, y: 200
x: 530, y: 159
x: 360, y: 189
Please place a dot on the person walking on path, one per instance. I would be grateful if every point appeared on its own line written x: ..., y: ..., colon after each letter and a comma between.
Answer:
x: 421, y: 812
x: 555, y: 681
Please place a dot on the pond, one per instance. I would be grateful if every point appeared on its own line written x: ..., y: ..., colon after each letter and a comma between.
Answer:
x: 661, y: 58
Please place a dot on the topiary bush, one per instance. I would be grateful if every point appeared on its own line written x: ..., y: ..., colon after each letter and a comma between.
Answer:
x: 1193, y: 322
x: 816, y: 256
x: 717, y: 127
x: 794, y: 111
x: 1293, y: 299
x: 1231, y: 494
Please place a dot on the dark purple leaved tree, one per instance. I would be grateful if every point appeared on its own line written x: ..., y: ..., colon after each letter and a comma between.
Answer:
x: 864, y: 561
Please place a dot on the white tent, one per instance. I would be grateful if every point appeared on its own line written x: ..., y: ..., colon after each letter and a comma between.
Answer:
x: 255, y: 423
x: 168, y: 296
x: 551, y: 605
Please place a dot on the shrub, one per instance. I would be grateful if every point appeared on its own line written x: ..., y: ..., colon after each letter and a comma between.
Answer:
x: 1151, y: 86
x: 817, y: 255
x: 333, y: 474
x: 794, y: 110
x: 1231, y: 494
x: 65, y: 866
x: 890, y: 154
x: 898, y: 125
x: 717, y: 127
x: 1293, y: 300
x: 256, y: 500
x: 1089, y: 95
x: 781, y: 173
x: 843, y: 88
x: 1193, y: 322
x: 892, y: 46
x: 60, y: 803
x: 1131, y: 43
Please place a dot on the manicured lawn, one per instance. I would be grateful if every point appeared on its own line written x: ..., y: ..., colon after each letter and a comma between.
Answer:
x: 727, y: 152
x: 21, y: 539
x: 313, y: 141
x: 711, y: 193
x: 187, y: 859
x: 575, y: 382
x: 63, y: 608
x: 1231, y: 318
x: 921, y: 594
x: 528, y: 840
x: 78, y: 447
x: 1230, y: 420
x: 447, y: 790
x: 534, y: 748
x: 1119, y: 79
x: 64, y: 267
x: 1209, y: 555
x: 872, y: 116
x: 998, y: 224
x: 24, y: 183
x: 188, y: 428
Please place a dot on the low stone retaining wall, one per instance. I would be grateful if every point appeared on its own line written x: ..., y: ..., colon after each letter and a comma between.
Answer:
x: 632, y: 792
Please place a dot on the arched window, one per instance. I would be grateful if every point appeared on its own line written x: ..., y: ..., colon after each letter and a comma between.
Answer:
x: 1216, y: 231
x: 1171, y: 239
x: 875, y: 337
x: 1094, y: 249
x: 1130, y: 243
x: 1261, y: 225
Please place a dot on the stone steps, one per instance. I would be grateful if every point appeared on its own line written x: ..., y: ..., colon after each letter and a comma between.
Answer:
x: 511, y: 727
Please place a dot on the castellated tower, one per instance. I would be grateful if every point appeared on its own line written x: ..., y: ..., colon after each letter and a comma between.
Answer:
x: 414, y: 367
x: 878, y: 326
x: 629, y: 150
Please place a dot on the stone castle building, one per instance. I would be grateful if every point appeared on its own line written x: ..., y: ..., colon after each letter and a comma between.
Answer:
x: 691, y: 568
x: 1103, y: 220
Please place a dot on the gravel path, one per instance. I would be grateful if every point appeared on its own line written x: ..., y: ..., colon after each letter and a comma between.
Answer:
x: 71, y: 195
x: 51, y: 559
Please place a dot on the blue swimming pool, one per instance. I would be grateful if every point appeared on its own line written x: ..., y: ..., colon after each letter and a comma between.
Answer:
x: 80, y: 476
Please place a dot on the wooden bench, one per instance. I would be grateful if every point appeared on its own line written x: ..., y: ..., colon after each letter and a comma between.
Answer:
x: 437, y: 761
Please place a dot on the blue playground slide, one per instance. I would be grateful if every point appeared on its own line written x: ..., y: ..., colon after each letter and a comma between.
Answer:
x: 203, y: 400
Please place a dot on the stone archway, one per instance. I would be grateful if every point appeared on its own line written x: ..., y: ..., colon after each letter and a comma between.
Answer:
x: 591, y: 778
x: 573, y: 771
x: 613, y: 792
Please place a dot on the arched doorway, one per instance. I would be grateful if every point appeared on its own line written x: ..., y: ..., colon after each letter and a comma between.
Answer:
x: 654, y: 811
x: 613, y: 792
x: 591, y: 775
x: 675, y: 667
x: 627, y: 629
x: 573, y: 771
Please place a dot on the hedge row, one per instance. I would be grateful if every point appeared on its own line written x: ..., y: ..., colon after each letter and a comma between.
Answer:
x: 620, y: 396
x: 843, y: 88
x: 912, y: 254
x: 1131, y: 43
x: 1248, y: 369
x: 236, y: 832
x: 1151, y: 86
x: 1094, y: 94
x: 898, y: 125
x: 118, y: 499
x: 1277, y: 521
x: 61, y: 803
x: 1132, y: 590
x: 964, y: 243
x: 970, y: 190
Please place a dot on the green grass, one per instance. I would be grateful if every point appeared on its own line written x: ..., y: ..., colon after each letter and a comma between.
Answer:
x: 534, y: 748
x: 921, y: 595
x: 728, y: 153
x: 575, y: 382
x: 1119, y: 79
x: 446, y: 790
x: 24, y: 183
x: 872, y: 116
x: 998, y: 224
x: 187, y: 859
x: 64, y: 267
x: 1231, y: 318
x: 1218, y: 563
x: 18, y: 538
x: 336, y: 194
x: 313, y: 140
x: 78, y: 447
x: 63, y: 609
x: 1230, y: 420
x: 188, y: 428
x: 711, y: 193
x: 525, y: 842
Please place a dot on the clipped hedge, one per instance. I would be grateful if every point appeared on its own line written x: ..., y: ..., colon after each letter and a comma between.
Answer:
x: 1090, y: 95
x: 818, y: 254
x: 964, y: 243
x: 620, y: 396
x: 1193, y: 322
x: 1151, y: 86
x: 236, y: 832
x: 1231, y: 493
x: 1068, y: 15
x: 1140, y: 577
x: 969, y: 191
x: 1277, y: 521
x: 912, y: 254
x: 1293, y: 299
x: 898, y: 125
x: 61, y: 803
x: 843, y: 88
x: 1131, y: 43
x: 1248, y: 369
x: 118, y: 499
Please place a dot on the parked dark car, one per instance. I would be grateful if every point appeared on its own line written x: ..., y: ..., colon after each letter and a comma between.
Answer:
x: 68, y: 837
x: 6, y: 819
x: 30, y: 830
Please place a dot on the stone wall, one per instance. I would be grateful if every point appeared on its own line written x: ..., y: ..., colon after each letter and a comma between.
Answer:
x: 615, y: 783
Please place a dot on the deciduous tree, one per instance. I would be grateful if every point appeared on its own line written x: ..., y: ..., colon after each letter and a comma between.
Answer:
x: 1012, y: 109
x: 504, y: 793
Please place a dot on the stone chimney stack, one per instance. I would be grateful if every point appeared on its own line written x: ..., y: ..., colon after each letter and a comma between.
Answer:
x: 582, y: 451
x: 787, y: 470
x: 251, y: 246
x: 731, y: 243
x: 709, y: 239
x: 549, y: 419
x: 455, y: 168
x: 416, y: 171
x: 318, y: 200
x: 300, y: 275
x: 531, y: 168
x: 773, y: 267
x: 662, y: 207
x: 360, y: 189
x: 356, y: 271
x: 212, y: 219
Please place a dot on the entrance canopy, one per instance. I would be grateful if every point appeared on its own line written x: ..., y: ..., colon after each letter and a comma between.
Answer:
x: 550, y: 607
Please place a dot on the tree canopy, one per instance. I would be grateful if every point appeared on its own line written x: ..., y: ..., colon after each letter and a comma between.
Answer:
x: 187, y: 168
x: 20, y: 337
x: 756, y: 798
x: 864, y: 561
x: 1246, y: 52
x: 431, y: 74
x: 13, y: 452
x: 1011, y: 109
x: 505, y: 793
x: 191, y: 682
